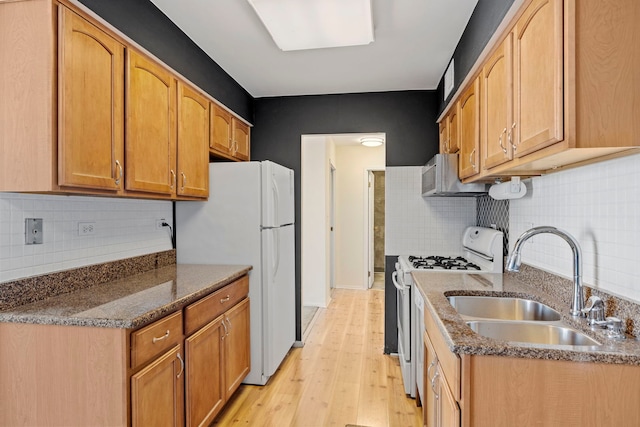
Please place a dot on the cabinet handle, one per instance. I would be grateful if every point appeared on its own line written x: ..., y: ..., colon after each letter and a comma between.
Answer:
x: 446, y: 146
x: 164, y: 337
x: 473, y: 165
x: 229, y: 322
x: 119, y: 179
x: 184, y: 180
x: 433, y: 383
x: 504, y: 149
x: 235, y: 147
x: 173, y: 178
x: 431, y: 365
x: 181, y: 365
x: 511, y: 137
x: 225, y: 299
x: 226, y: 330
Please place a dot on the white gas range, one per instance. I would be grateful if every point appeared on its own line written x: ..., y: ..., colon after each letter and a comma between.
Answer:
x: 482, y: 253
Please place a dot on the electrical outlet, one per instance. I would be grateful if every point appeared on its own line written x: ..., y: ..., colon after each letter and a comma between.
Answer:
x: 33, y: 231
x: 159, y: 223
x: 86, y: 228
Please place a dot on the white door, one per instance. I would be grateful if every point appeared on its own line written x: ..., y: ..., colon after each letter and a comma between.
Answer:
x: 279, y: 313
x: 277, y: 195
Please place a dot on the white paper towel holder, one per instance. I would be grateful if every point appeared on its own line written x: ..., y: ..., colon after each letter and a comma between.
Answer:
x: 513, y: 189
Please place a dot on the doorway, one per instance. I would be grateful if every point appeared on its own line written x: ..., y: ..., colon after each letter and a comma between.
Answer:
x: 376, y: 228
x: 334, y: 217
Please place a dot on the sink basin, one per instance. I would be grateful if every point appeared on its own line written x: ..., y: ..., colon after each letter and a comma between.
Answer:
x: 503, y: 308
x: 536, y: 333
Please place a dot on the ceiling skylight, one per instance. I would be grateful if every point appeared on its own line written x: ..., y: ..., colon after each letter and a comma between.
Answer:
x: 315, y: 24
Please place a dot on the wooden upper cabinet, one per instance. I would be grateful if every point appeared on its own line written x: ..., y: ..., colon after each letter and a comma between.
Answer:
x: 444, y: 135
x: 449, y: 130
x: 221, y: 139
x: 91, y: 114
x: 230, y: 137
x: 497, y: 107
x: 241, y: 139
x: 151, y: 127
x: 469, y: 117
x: 538, y: 77
x: 193, y: 143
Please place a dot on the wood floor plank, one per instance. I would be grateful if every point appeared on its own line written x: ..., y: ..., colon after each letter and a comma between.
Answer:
x: 339, y: 377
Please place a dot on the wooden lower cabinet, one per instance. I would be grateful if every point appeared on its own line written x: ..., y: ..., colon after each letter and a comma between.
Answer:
x: 500, y: 391
x: 218, y: 359
x: 158, y: 375
x: 157, y: 392
x: 440, y: 408
x: 204, y: 381
x: 237, y: 357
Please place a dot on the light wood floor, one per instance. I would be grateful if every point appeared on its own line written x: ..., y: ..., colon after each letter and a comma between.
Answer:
x: 339, y: 377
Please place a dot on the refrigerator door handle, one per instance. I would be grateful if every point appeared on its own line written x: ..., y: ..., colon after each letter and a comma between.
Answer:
x: 276, y: 251
x: 276, y: 200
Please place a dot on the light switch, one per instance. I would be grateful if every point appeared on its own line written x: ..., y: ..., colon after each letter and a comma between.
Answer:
x: 33, y: 231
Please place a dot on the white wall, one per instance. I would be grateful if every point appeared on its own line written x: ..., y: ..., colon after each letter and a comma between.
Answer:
x: 422, y: 226
x: 316, y: 154
x: 352, y: 163
x: 599, y: 205
x: 123, y: 228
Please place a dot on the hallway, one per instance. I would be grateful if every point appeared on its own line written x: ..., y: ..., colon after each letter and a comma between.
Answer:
x: 340, y: 377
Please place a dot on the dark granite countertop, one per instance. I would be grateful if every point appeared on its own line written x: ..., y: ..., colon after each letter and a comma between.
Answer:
x: 435, y: 287
x: 130, y: 302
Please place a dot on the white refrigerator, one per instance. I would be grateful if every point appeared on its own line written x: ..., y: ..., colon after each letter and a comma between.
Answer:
x: 249, y: 219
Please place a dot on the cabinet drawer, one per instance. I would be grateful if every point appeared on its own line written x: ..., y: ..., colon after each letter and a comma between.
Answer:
x: 155, y: 338
x: 450, y: 362
x: 208, y: 308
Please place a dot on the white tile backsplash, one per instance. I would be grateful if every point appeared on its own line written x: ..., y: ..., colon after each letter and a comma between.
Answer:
x: 123, y: 228
x: 599, y: 205
x: 415, y: 225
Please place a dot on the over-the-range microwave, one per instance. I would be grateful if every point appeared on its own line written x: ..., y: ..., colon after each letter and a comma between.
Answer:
x: 440, y: 178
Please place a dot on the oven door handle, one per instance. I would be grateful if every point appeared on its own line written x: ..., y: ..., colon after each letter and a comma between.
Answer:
x: 394, y: 279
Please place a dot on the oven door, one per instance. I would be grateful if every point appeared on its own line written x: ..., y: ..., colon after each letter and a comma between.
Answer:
x: 403, y: 301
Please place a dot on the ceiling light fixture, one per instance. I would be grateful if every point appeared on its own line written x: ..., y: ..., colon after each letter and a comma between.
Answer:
x: 371, y: 141
x: 314, y: 24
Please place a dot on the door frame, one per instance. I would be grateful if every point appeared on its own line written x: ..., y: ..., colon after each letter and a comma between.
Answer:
x: 369, y: 235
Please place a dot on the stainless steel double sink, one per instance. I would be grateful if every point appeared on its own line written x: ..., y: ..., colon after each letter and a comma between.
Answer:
x: 517, y: 320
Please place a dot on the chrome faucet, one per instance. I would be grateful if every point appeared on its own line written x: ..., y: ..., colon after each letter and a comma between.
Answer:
x: 513, y: 262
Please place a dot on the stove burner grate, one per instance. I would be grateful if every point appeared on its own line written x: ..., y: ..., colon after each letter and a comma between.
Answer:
x: 435, y: 262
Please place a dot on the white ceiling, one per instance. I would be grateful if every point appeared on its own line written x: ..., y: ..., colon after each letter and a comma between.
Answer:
x: 414, y: 41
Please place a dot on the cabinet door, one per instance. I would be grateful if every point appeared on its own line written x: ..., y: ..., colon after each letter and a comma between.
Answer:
x: 193, y: 143
x: 444, y: 135
x: 91, y: 109
x: 157, y: 392
x: 151, y: 127
x: 237, y: 350
x: 448, y: 409
x: 453, y: 145
x: 221, y: 139
x: 496, y: 107
x: 429, y: 399
x: 468, y: 115
x: 538, y: 79
x: 241, y: 141
x: 205, y: 391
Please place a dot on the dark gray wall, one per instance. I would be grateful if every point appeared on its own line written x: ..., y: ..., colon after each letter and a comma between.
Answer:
x: 148, y: 26
x: 407, y: 118
x: 483, y: 23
